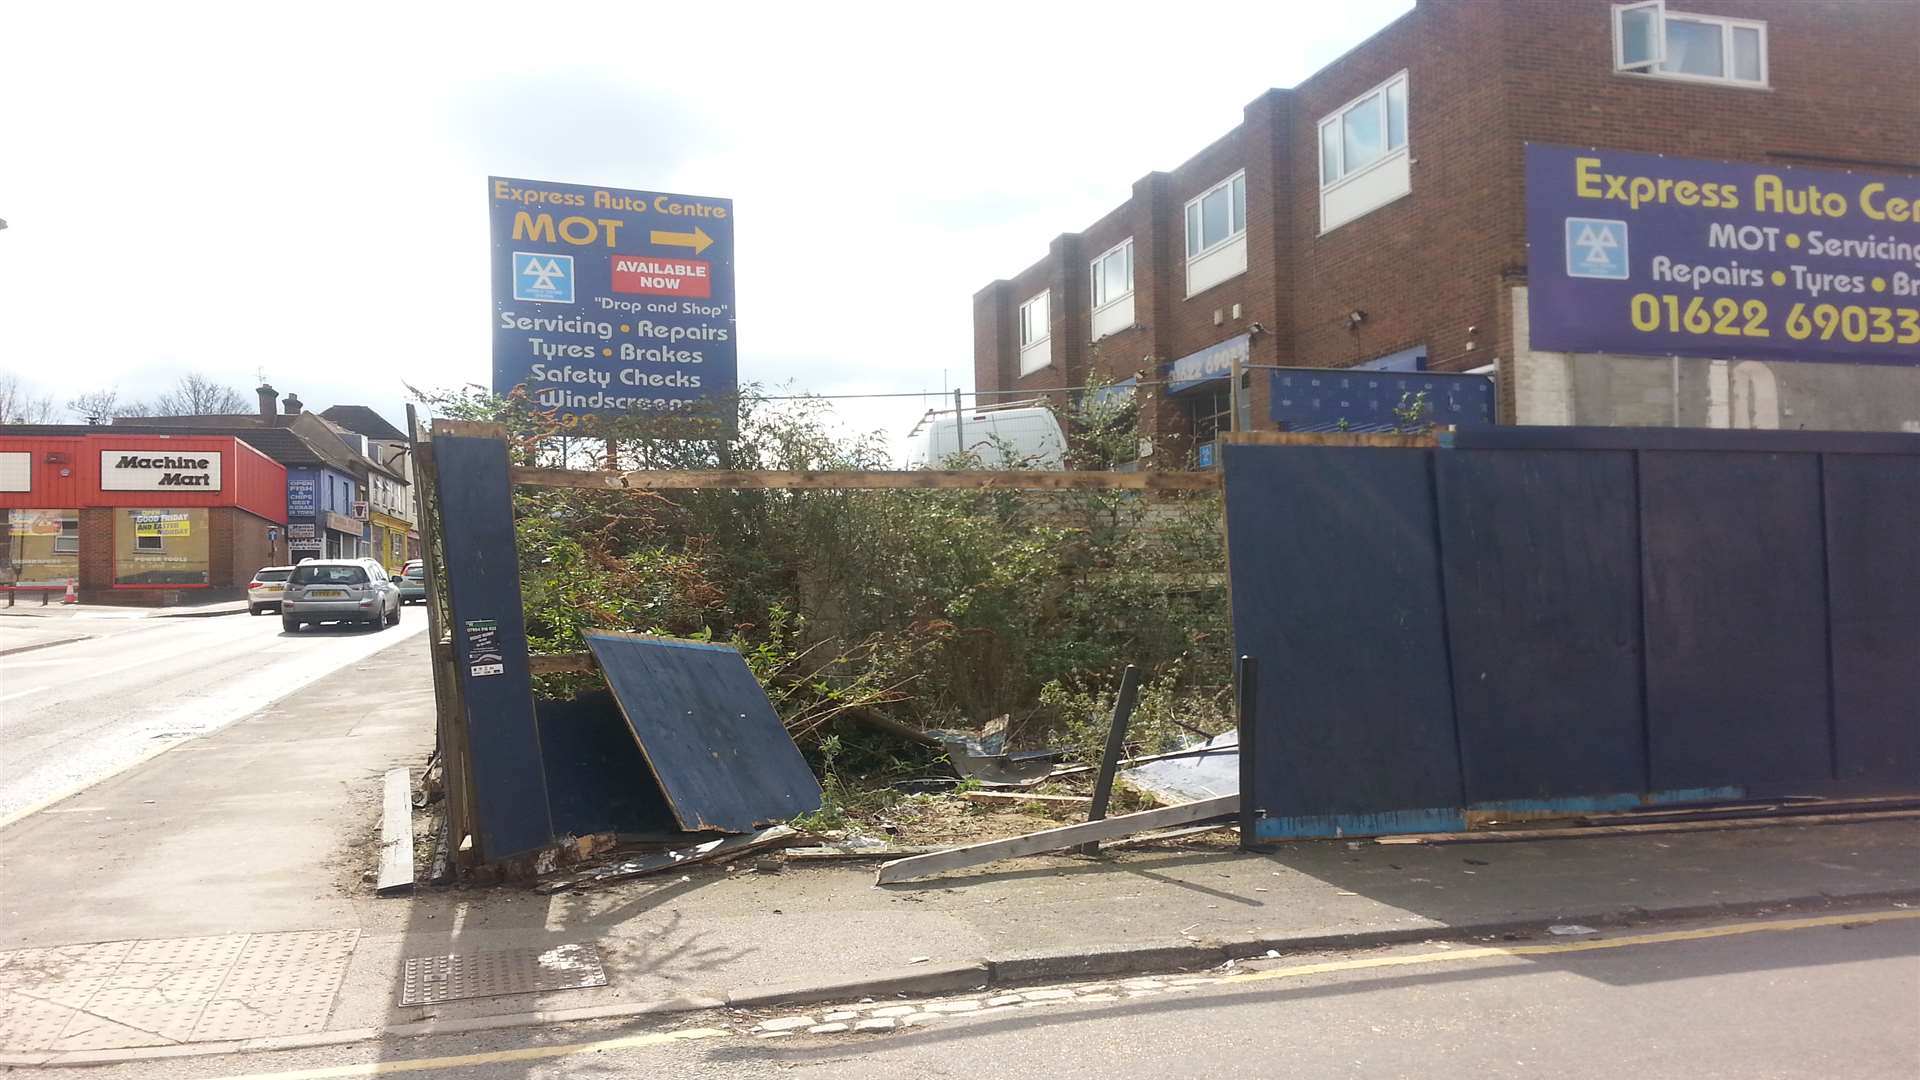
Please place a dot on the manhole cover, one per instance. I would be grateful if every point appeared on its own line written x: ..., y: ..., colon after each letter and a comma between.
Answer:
x: 431, y: 979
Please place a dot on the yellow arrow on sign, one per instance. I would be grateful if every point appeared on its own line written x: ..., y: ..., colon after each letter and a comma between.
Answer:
x: 698, y: 239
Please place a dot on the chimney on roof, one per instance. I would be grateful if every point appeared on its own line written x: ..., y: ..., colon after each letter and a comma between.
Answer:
x: 292, y: 404
x: 268, y: 395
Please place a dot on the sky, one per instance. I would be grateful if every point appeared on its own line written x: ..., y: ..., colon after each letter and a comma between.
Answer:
x: 298, y: 191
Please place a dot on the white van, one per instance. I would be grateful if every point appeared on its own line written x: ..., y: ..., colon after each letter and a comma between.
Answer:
x: 1016, y: 435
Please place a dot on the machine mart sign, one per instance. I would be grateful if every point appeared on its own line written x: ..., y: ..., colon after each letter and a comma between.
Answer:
x: 608, y: 302
x: 146, y: 470
x: 1656, y: 255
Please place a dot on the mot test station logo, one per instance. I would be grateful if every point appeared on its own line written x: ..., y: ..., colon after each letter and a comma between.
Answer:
x: 542, y: 278
x: 1597, y: 248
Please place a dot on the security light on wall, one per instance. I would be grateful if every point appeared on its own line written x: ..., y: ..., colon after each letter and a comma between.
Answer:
x: 1355, y: 318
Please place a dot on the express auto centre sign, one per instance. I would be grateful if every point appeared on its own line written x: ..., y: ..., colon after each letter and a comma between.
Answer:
x: 609, y: 301
x: 1656, y: 255
x: 147, y: 470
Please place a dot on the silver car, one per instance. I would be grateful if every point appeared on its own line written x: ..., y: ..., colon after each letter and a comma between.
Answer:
x: 342, y: 591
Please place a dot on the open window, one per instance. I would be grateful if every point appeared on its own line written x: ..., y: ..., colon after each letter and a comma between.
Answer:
x: 1639, y: 38
x: 1650, y: 40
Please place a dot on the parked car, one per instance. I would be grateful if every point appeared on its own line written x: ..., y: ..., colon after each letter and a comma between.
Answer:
x: 264, y: 591
x: 413, y: 582
x: 341, y: 591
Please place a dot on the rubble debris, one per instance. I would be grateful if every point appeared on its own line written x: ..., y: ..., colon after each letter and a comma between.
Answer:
x: 1058, y: 839
x: 984, y: 757
x: 1212, y: 772
x: 716, y: 851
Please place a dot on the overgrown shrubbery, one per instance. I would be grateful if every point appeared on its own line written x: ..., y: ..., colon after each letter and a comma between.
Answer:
x: 932, y: 608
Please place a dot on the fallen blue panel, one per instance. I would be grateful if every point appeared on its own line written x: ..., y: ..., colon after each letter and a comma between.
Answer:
x: 710, y: 736
x: 597, y: 779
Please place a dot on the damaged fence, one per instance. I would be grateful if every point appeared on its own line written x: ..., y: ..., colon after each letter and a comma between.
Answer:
x: 683, y: 740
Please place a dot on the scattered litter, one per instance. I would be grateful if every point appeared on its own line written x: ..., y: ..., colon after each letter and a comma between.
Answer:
x: 717, y: 850
x: 985, y: 758
x: 1571, y: 930
x: 1273, y: 954
x: 918, y: 959
x: 1205, y: 775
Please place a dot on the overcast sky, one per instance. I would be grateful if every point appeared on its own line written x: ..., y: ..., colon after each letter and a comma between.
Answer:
x: 299, y: 190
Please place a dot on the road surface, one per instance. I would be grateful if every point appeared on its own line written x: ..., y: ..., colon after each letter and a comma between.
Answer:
x: 1835, y: 1000
x: 74, y: 714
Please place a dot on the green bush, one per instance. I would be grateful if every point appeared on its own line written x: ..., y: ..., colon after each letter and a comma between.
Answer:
x: 930, y: 607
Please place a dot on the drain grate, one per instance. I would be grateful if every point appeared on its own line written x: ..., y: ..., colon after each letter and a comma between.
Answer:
x: 432, y: 979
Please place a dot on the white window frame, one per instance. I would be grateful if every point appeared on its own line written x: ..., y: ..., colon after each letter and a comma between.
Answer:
x: 1036, y: 350
x: 1236, y: 216
x: 1651, y: 69
x: 1337, y: 118
x: 1096, y: 281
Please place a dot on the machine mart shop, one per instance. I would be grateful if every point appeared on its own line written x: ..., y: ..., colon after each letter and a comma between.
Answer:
x: 139, y: 519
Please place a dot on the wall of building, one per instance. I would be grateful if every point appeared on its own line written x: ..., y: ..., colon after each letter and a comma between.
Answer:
x: 1609, y: 390
x: 1437, y: 268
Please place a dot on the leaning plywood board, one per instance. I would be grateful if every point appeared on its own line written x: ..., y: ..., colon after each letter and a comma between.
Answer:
x: 711, y: 737
x: 1055, y: 839
x: 396, y: 835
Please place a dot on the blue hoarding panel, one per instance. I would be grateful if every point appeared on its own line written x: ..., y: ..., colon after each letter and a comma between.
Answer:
x: 1650, y: 254
x: 715, y: 745
x: 490, y: 646
x: 1873, y: 580
x: 1734, y: 570
x: 1540, y: 550
x: 1333, y: 555
x: 609, y: 302
x: 1208, y: 364
x: 1348, y: 399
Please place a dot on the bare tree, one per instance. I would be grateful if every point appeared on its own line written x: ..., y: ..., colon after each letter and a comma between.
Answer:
x: 19, y: 405
x: 98, y: 405
x: 197, y: 395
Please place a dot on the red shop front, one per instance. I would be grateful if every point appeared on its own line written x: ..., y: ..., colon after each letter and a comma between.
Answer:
x: 139, y: 519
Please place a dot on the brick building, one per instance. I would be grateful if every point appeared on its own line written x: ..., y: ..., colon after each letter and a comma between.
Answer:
x: 1374, y: 215
x: 137, y: 518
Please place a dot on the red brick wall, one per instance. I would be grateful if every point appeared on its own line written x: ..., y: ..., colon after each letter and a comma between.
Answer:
x: 1484, y: 78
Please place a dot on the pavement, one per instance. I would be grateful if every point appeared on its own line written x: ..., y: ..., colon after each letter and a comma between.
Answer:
x: 241, y: 853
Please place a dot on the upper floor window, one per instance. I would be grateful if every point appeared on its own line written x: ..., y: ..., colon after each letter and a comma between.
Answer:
x: 1112, y: 274
x: 1218, y: 215
x: 1650, y: 40
x: 1365, y: 131
x: 1035, y: 346
x: 1364, y: 160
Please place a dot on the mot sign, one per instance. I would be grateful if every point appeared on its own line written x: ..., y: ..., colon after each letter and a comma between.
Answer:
x: 1656, y: 255
x: 609, y: 302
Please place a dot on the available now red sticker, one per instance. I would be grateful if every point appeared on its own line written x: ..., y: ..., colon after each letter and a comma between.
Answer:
x: 655, y: 276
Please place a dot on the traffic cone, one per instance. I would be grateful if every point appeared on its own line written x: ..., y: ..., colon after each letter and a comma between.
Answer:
x: 72, y: 597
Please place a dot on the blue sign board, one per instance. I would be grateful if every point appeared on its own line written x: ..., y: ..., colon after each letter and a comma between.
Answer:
x: 300, y: 495
x: 1210, y: 363
x: 1349, y: 399
x: 1656, y: 255
x: 610, y: 302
